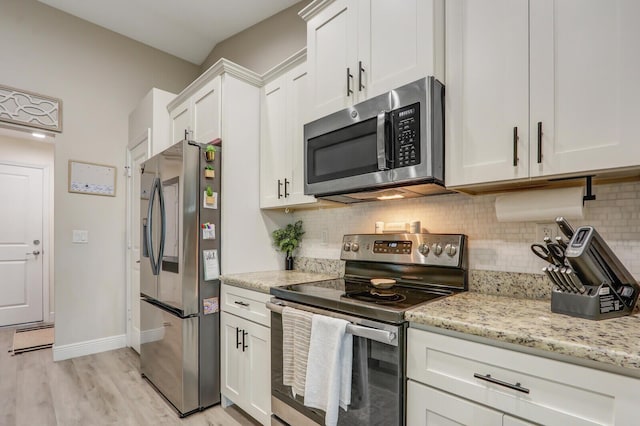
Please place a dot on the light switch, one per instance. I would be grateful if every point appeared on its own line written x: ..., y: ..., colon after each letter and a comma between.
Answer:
x: 80, y: 236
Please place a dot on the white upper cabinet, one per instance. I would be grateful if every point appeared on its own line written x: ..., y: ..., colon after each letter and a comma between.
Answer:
x: 199, y: 115
x: 585, y: 59
x: 151, y: 117
x: 284, y: 100
x: 487, y: 91
x: 358, y: 49
x: 540, y: 89
x: 206, y: 112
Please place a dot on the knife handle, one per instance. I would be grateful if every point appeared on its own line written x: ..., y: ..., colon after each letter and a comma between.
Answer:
x: 564, y: 226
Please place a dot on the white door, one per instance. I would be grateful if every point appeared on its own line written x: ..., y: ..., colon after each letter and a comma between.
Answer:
x: 21, y: 254
x: 274, y: 143
x: 332, y: 41
x: 584, y: 85
x: 136, y: 155
x: 232, y: 363
x: 487, y: 77
x: 207, y: 107
x: 297, y: 104
x: 180, y: 122
x: 258, y: 365
x: 395, y: 44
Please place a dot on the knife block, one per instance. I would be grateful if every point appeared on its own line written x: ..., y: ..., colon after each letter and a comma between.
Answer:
x: 600, y: 302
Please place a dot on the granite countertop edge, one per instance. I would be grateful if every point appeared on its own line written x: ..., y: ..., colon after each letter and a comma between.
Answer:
x: 264, y: 280
x: 531, y: 324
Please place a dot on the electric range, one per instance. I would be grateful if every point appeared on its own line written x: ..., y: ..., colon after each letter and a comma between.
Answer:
x: 425, y: 267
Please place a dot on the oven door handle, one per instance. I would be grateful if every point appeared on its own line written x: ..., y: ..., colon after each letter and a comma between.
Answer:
x: 383, y: 336
x: 381, y: 139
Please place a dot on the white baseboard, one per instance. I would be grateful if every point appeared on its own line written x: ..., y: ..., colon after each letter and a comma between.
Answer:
x: 73, y: 350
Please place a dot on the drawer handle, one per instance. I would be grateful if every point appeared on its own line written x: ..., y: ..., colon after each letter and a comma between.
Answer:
x: 490, y: 379
x: 245, y: 304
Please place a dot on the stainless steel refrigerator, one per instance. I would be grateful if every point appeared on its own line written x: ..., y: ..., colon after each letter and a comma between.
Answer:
x: 179, y: 289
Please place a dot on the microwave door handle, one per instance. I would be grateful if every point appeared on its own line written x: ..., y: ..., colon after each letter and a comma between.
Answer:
x: 381, y: 139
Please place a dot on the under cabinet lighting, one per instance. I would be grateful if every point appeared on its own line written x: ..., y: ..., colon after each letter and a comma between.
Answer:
x: 38, y: 135
x: 390, y: 197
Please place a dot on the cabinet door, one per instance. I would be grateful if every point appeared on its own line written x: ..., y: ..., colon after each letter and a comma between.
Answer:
x: 430, y: 407
x: 297, y: 104
x: 487, y: 91
x: 397, y: 43
x: 258, y: 371
x: 331, y: 51
x: 274, y: 167
x: 206, y: 104
x: 232, y: 362
x: 180, y: 122
x: 584, y: 85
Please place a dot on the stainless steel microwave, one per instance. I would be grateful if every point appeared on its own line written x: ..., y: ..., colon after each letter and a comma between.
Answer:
x: 389, y: 146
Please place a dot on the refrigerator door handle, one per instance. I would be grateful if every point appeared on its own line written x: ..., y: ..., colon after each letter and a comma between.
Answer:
x: 155, y: 262
x: 163, y: 226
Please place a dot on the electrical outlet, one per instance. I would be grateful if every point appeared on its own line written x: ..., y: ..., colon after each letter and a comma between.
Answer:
x: 325, y: 236
x: 547, y: 229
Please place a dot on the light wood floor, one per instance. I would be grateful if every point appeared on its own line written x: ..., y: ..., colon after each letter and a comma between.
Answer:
x: 100, y: 389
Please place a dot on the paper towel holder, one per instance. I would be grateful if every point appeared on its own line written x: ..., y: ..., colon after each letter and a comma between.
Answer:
x: 589, y: 195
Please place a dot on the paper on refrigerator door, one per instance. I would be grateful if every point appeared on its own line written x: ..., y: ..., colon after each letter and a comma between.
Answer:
x: 211, y: 264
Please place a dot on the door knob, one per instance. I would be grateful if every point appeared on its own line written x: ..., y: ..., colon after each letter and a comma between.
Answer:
x: 35, y: 252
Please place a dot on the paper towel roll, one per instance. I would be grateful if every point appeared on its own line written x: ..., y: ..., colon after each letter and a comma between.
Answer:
x: 540, y: 205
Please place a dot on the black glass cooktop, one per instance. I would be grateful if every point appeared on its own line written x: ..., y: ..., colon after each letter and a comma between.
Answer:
x: 359, y: 297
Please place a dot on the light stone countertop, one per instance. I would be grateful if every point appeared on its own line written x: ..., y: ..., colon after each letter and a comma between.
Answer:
x: 263, y: 281
x: 531, y: 323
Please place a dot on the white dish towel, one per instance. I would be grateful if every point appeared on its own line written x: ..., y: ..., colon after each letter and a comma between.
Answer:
x: 296, y: 335
x: 328, y: 381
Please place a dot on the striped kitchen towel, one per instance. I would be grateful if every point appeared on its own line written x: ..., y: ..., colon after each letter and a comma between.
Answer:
x: 296, y: 334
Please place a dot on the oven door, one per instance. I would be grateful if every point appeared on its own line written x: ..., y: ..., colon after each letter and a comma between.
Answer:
x: 351, y: 157
x: 378, y: 381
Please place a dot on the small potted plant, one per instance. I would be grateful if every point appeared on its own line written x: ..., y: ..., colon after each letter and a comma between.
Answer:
x: 210, y: 152
x: 287, y: 240
x: 209, y: 173
x: 209, y: 199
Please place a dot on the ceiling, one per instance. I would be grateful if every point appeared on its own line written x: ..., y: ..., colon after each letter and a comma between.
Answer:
x: 188, y: 29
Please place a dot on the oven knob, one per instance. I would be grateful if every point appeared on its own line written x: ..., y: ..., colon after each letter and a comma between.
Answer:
x: 346, y: 247
x: 423, y: 249
x: 437, y: 249
x: 450, y: 249
x: 355, y: 246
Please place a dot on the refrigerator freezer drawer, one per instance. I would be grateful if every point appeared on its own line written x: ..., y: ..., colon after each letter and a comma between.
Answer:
x: 169, y: 355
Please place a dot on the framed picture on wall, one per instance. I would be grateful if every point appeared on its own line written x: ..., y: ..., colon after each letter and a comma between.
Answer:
x: 92, y: 178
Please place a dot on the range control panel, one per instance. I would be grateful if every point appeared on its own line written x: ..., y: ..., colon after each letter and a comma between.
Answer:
x: 420, y: 249
x: 395, y: 247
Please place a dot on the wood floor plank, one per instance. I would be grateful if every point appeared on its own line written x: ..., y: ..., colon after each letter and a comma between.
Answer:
x: 8, y: 379
x: 100, y: 389
x: 34, y: 405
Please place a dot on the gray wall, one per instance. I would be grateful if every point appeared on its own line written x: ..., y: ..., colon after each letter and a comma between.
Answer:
x: 100, y: 77
x: 265, y: 44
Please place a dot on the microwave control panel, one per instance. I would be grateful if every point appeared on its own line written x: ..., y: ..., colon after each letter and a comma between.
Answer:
x: 406, y: 133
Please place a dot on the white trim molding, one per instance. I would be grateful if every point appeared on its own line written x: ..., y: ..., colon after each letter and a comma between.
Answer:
x: 89, y: 347
x: 30, y: 109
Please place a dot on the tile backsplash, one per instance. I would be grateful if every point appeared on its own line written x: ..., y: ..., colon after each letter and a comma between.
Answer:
x: 493, y: 246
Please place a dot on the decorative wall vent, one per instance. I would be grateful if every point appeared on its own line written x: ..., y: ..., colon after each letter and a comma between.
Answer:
x: 30, y: 109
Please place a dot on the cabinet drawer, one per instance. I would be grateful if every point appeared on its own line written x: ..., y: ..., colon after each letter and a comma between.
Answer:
x: 245, y: 303
x: 559, y: 393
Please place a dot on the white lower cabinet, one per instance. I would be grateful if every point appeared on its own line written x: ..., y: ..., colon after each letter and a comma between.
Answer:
x: 456, y: 381
x: 246, y: 361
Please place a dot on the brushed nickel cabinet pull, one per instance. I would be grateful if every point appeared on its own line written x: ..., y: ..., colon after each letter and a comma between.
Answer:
x: 490, y: 379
